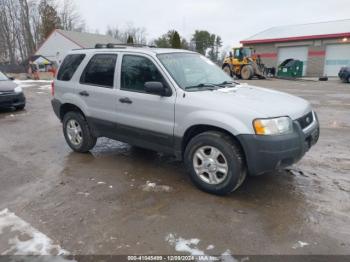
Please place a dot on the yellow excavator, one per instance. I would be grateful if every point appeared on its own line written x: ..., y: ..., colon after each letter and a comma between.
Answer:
x: 244, y: 63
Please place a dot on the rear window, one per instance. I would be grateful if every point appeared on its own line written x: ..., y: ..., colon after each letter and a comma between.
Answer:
x: 69, y: 66
x: 100, y: 71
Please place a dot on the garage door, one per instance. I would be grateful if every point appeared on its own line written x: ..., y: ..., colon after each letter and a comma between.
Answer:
x: 337, y: 56
x: 298, y: 52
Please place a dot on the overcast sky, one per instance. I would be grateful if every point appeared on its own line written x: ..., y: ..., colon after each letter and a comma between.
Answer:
x: 233, y: 20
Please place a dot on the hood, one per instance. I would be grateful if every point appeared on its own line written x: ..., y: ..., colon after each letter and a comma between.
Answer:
x: 7, y: 85
x: 255, y: 101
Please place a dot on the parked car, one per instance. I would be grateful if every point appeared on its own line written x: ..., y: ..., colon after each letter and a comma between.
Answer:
x: 11, y: 95
x: 344, y: 74
x: 179, y: 102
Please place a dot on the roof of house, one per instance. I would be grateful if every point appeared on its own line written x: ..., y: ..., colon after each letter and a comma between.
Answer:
x: 330, y: 29
x: 87, y: 40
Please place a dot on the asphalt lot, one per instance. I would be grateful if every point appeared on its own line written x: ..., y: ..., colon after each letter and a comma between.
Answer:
x: 123, y: 200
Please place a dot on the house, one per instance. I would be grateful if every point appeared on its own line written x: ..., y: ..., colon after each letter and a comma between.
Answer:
x: 60, y: 42
x: 323, y: 47
x: 43, y: 64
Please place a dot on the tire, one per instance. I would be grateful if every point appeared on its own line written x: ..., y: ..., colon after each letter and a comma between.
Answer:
x: 86, y: 140
x: 21, y: 107
x: 227, y: 70
x: 247, y: 72
x: 231, y: 154
x: 348, y: 79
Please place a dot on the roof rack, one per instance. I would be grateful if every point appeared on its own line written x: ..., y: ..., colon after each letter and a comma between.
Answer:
x: 112, y: 45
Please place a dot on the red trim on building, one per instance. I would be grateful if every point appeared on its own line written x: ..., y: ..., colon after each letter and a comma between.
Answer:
x: 297, y: 38
x: 317, y: 53
x: 268, y: 55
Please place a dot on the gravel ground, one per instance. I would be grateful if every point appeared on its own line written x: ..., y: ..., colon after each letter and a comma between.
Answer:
x: 123, y: 200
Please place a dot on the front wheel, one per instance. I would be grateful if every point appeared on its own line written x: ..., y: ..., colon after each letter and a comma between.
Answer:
x: 77, y: 132
x: 215, y: 163
x: 227, y: 70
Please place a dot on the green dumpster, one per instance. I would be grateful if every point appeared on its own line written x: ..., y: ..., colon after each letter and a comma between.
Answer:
x: 290, y: 68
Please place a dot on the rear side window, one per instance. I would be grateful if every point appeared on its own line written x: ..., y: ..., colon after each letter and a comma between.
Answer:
x: 136, y: 71
x: 69, y: 66
x: 100, y: 70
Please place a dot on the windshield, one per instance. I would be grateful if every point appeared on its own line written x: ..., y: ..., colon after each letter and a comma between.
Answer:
x: 3, y: 77
x: 191, y: 70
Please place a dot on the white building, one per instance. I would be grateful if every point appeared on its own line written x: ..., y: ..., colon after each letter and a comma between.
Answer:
x: 60, y: 42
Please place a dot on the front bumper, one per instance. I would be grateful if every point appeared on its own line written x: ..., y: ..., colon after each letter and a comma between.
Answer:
x: 268, y: 153
x: 12, y: 99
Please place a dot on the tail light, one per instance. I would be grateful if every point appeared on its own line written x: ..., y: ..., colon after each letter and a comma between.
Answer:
x: 52, y: 88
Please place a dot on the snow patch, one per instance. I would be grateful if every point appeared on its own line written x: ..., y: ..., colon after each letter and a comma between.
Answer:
x: 210, y: 247
x: 101, y: 183
x: 300, y: 244
x: 34, y: 243
x: 153, y: 187
x: 86, y: 194
x: 191, y: 246
x: 185, y: 245
x: 45, y: 87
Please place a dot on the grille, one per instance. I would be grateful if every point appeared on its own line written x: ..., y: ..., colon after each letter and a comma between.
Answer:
x: 5, y: 93
x: 306, y: 120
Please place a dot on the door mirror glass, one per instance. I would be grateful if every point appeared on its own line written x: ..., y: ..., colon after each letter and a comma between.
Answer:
x: 156, y: 88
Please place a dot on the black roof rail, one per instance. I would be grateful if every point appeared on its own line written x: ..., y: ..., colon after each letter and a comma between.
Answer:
x: 113, y: 45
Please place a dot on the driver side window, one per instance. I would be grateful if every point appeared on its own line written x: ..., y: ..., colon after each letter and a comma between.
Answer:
x: 136, y: 71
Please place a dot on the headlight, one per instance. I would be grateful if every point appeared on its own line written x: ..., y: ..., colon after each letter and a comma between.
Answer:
x: 18, y: 89
x: 273, y: 126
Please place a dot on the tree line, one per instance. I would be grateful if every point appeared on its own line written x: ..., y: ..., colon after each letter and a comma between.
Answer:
x: 25, y: 24
x: 201, y: 41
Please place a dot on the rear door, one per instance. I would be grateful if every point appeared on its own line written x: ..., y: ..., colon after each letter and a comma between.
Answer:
x: 144, y: 119
x: 97, y: 88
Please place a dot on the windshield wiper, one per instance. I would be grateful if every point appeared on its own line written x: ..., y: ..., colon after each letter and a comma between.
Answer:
x: 210, y: 86
x: 225, y: 83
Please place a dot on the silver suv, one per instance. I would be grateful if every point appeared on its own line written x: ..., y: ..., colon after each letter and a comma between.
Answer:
x: 179, y: 102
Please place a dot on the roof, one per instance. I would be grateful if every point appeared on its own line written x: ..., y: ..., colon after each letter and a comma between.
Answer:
x: 330, y: 29
x: 87, y: 40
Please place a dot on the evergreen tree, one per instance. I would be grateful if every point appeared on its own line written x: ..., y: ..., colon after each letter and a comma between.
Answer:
x: 175, y: 40
x: 49, y: 18
x: 130, y: 40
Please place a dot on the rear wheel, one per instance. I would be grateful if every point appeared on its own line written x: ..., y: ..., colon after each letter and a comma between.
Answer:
x: 215, y: 163
x: 247, y: 72
x: 77, y: 132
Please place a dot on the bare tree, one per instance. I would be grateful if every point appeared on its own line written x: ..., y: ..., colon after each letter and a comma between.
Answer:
x: 70, y: 17
x: 137, y: 33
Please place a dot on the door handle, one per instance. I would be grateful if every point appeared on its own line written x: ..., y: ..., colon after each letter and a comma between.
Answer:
x: 125, y: 100
x: 84, y: 93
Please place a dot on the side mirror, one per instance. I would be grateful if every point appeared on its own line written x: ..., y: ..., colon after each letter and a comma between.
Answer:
x: 231, y: 55
x: 157, y: 88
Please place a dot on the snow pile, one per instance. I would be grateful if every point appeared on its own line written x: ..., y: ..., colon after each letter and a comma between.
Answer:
x: 153, y: 187
x: 27, y: 240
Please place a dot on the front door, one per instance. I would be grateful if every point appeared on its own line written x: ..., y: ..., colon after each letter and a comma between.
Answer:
x: 144, y: 119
